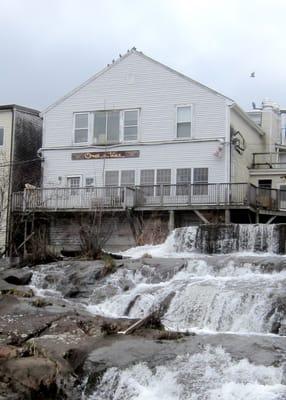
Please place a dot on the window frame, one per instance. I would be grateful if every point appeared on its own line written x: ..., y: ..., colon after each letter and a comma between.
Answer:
x: 88, y: 127
x: 128, y: 184
x: 123, y: 125
x: 191, y: 122
x: 167, y: 188
x: 89, y: 188
x: 2, y: 127
x: 183, y: 188
x: 74, y: 190
x: 148, y: 188
x: 200, y: 188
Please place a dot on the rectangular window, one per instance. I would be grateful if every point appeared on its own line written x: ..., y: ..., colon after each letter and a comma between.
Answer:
x: 265, y: 183
x: 112, y: 179
x: 127, y: 178
x: 1, y: 136
x: 130, y: 125
x: 201, y: 178
x: 163, y: 178
x: 184, y: 122
x: 74, y: 184
x: 147, y: 179
x: 81, y: 128
x: 89, y: 184
x: 184, y: 179
x: 107, y: 127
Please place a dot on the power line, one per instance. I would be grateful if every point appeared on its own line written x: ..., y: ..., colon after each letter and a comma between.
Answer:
x: 11, y: 163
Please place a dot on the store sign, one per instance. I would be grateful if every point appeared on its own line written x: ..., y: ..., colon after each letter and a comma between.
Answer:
x: 99, y: 155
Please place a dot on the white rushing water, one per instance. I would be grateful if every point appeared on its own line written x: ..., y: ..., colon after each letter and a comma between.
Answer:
x: 239, y: 290
x: 208, y: 375
x: 185, y: 242
x: 228, y: 299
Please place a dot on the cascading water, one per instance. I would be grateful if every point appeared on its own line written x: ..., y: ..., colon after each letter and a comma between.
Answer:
x: 240, y: 291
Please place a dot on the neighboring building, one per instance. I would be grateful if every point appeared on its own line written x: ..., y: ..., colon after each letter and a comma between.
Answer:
x: 20, y: 139
x: 268, y: 170
x: 153, y: 140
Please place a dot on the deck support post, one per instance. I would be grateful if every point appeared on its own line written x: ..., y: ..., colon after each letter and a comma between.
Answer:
x: 171, y: 222
x: 227, y: 216
x: 257, y: 217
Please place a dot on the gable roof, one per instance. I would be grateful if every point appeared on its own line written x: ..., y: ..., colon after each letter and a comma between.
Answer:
x: 121, y: 58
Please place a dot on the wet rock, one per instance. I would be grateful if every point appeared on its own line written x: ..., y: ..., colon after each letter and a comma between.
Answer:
x: 17, y: 276
x: 7, y: 352
x: 29, y: 375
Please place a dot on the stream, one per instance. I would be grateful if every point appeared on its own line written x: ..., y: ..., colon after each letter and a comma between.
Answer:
x: 228, y: 294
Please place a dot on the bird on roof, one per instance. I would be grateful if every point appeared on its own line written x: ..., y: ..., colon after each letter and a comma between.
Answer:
x: 252, y: 75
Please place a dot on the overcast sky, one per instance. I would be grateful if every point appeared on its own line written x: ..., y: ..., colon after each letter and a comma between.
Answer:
x: 48, y: 47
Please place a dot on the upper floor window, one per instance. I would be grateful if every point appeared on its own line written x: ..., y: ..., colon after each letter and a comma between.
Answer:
x: 130, y: 125
x: 1, y: 136
x: 107, y: 127
x: 81, y: 128
x: 184, y: 117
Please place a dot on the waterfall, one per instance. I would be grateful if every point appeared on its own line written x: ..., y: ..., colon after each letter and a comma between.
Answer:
x: 218, y: 239
x: 223, y: 282
x: 208, y: 375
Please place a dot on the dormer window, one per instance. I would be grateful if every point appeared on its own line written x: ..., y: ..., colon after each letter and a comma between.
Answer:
x: 81, y: 128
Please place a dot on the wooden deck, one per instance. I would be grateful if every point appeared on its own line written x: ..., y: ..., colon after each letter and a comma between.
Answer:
x: 155, y: 197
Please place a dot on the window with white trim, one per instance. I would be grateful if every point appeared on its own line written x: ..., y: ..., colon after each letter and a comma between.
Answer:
x: 74, y: 183
x: 130, y: 125
x: 81, y: 128
x: 201, y: 179
x: 147, y: 179
x: 112, y: 179
x: 184, y: 116
x: 106, y: 127
x: 184, y: 179
x: 128, y: 178
x: 163, y: 178
x: 1, y: 136
x: 89, y: 184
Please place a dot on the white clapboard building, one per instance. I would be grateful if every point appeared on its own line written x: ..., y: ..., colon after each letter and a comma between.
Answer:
x: 139, y: 122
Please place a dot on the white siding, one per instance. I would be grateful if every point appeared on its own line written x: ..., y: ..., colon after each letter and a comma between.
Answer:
x: 155, y: 90
x: 181, y: 155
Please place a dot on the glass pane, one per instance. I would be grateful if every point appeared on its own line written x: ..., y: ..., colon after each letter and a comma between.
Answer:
x: 184, y: 129
x: 127, y: 178
x: 113, y: 118
x: 1, y: 136
x: 81, y: 135
x: 130, y: 118
x: 81, y: 121
x: 163, y: 177
x: 147, y: 177
x: 130, y: 133
x: 184, y: 114
x: 111, y: 178
x: 184, y: 178
x: 100, y: 127
x: 201, y: 175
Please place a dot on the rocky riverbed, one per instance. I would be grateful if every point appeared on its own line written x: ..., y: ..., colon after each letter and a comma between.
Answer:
x: 61, y: 329
x: 166, y: 323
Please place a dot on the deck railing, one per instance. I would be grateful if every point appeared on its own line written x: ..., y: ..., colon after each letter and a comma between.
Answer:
x: 149, y: 196
x: 267, y: 161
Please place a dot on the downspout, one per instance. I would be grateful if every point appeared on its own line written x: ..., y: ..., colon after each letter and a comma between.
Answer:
x: 228, y: 170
